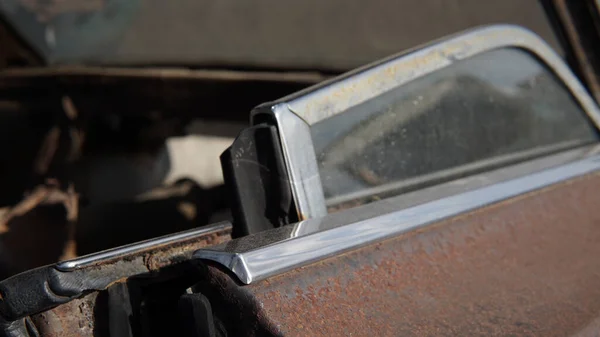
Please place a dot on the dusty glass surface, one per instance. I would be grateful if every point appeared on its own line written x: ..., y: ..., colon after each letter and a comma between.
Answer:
x: 493, y: 109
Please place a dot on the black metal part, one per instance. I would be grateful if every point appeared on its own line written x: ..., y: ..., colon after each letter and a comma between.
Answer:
x: 256, y: 175
x: 155, y: 301
x: 120, y: 312
x: 197, y: 316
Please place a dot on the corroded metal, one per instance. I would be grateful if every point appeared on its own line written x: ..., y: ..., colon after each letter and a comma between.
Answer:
x: 168, y: 242
x: 83, y: 315
x: 77, y: 318
x: 525, y: 266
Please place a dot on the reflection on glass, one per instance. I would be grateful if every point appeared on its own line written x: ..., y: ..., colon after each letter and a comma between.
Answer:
x: 493, y: 109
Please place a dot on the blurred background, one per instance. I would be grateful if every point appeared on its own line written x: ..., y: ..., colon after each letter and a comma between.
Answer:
x: 333, y: 35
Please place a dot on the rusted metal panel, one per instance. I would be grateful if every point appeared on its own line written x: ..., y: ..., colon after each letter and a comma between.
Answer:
x: 87, y: 315
x: 525, y: 266
x: 74, y: 319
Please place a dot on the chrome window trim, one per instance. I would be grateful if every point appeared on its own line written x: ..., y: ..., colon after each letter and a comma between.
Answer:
x: 120, y: 252
x: 259, y: 256
x: 295, y: 114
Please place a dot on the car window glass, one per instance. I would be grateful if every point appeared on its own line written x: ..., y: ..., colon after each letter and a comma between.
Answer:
x: 490, y: 107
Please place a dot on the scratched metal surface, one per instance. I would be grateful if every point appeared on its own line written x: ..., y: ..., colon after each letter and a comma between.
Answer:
x: 526, y: 266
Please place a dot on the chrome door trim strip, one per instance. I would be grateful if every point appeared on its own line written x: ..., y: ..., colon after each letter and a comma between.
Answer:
x: 265, y: 259
x: 294, y: 114
x: 119, y: 252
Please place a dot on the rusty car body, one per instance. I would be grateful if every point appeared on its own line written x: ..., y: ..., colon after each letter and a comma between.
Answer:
x: 450, y: 189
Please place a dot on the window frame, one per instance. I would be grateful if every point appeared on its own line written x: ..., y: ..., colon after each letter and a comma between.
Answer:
x: 293, y: 115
